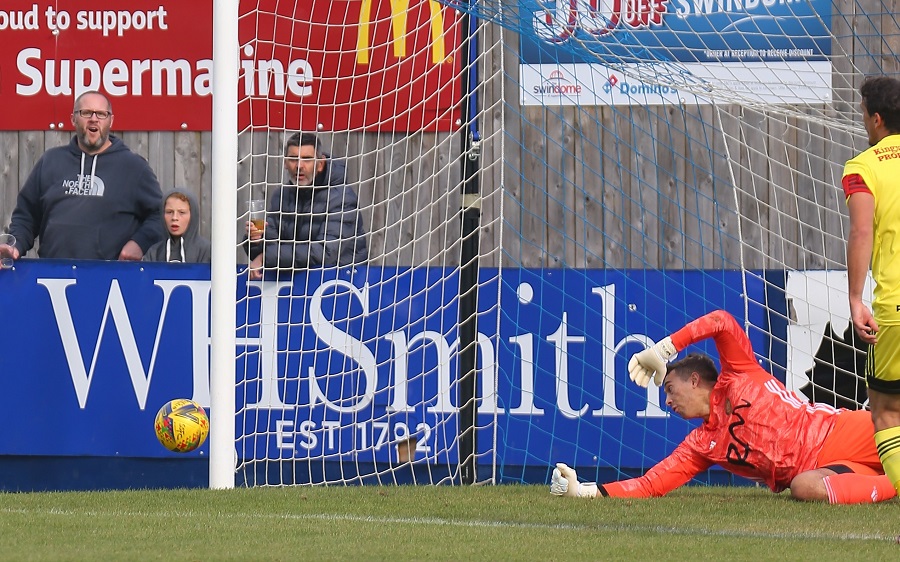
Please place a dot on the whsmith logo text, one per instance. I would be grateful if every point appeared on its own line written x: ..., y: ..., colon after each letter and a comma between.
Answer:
x: 383, y: 363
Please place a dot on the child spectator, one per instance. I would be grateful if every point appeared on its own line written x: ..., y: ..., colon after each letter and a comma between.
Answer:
x: 183, y: 242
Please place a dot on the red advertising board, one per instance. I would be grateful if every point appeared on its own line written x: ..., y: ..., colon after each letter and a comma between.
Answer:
x: 304, y: 65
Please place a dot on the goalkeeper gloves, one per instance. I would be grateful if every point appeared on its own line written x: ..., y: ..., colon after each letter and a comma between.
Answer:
x: 564, y: 482
x: 651, y: 363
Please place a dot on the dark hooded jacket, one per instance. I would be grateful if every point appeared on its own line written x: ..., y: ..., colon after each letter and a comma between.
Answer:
x: 190, y: 247
x: 314, y: 226
x: 87, y: 206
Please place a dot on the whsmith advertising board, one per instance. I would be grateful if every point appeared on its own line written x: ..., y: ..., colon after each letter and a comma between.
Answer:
x: 334, y: 365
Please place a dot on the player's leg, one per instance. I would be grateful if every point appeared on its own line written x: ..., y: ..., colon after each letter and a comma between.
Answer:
x: 849, y: 468
x: 883, y: 380
x: 810, y: 485
x: 844, y: 483
x: 886, y: 417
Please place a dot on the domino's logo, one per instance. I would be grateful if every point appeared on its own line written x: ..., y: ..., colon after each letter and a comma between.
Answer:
x: 623, y: 87
x: 610, y: 84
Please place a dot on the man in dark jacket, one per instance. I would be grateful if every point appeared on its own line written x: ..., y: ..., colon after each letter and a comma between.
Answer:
x: 91, y: 199
x: 314, y: 220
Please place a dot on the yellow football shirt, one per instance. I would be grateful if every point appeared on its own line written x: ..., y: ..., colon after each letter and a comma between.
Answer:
x: 879, y: 169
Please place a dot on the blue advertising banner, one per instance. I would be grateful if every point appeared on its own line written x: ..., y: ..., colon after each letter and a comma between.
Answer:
x: 569, y: 334
x: 94, y: 349
x: 341, y: 364
x: 588, y: 52
x: 337, y: 365
x: 676, y: 30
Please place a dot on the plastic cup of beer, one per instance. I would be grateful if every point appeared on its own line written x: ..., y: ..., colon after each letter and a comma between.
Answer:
x: 7, y: 262
x: 257, y: 208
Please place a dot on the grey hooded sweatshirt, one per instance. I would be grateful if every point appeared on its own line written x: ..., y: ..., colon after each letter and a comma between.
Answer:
x: 86, y: 206
x: 314, y: 226
x: 190, y: 247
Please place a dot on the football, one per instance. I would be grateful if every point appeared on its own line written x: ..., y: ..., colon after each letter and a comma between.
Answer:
x: 181, y: 425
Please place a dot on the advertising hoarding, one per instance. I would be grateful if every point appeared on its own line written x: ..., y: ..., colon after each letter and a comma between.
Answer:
x: 591, y: 52
x: 342, y: 65
x: 336, y: 365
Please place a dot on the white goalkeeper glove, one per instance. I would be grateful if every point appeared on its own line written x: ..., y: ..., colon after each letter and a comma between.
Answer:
x: 564, y: 482
x: 651, y: 363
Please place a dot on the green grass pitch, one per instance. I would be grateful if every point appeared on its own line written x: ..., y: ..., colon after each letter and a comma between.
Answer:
x: 438, y: 523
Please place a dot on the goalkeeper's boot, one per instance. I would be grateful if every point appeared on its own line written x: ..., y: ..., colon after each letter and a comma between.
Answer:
x: 564, y: 482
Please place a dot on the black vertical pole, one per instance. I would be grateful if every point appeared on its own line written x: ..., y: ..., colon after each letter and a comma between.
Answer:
x: 468, y: 275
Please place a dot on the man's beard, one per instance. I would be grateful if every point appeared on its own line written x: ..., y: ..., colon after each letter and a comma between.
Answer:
x: 309, y: 182
x: 83, y: 140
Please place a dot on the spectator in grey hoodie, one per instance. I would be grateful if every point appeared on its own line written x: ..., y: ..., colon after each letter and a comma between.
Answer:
x: 182, y: 241
x: 314, y: 220
x: 91, y: 199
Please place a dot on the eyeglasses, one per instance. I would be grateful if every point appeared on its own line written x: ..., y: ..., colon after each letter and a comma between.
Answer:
x: 87, y: 113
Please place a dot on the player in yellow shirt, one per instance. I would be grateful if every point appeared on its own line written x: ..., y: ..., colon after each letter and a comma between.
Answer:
x: 871, y: 183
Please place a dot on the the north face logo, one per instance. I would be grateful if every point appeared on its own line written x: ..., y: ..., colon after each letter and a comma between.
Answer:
x: 84, y: 185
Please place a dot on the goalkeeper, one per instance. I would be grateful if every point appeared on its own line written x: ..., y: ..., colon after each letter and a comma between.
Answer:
x: 752, y: 427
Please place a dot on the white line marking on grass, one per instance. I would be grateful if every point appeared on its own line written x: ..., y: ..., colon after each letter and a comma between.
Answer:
x: 599, y: 527
x: 435, y: 521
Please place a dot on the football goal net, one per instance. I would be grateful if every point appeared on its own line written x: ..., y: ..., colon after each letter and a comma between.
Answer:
x: 502, y: 202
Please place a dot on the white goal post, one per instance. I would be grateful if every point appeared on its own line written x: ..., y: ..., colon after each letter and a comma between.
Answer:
x: 224, y: 262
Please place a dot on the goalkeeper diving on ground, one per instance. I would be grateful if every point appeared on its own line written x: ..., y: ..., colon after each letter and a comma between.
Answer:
x: 752, y: 427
